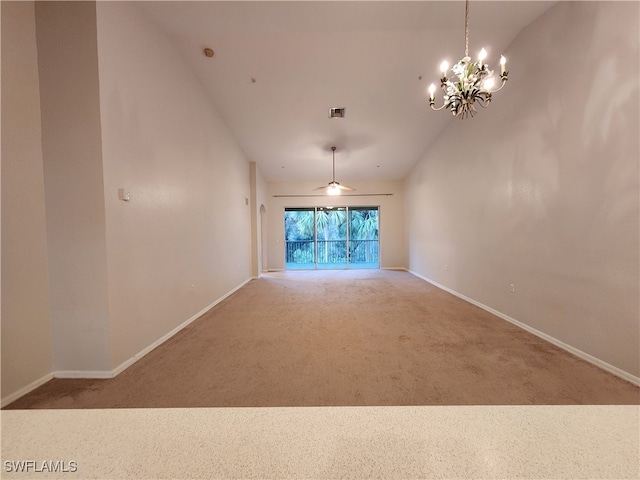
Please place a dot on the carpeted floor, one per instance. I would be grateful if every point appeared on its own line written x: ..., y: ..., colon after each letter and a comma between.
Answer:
x: 344, y: 338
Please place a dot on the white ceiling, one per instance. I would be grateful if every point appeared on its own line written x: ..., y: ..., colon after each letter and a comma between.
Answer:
x: 375, y: 58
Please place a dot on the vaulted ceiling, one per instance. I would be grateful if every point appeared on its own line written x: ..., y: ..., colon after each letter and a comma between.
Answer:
x: 279, y: 66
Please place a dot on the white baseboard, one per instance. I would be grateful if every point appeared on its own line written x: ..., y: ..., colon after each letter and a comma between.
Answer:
x: 24, y: 390
x: 126, y: 364
x: 401, y: 269
x: 83, y: 374
x: 558, y: 343
x: 103, y: 374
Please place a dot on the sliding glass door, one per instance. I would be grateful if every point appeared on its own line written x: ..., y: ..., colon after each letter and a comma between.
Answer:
x: 331, y: 237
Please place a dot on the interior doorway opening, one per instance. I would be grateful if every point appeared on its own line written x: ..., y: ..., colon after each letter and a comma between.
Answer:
x: 331, y: 238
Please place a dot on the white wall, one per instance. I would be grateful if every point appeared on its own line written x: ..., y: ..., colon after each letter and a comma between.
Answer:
x: 391, y: 228
x: 73, y: 181
x: 187, y: 222
x: 26, y: 328
x: 541, y: 189
x: 101, y: 280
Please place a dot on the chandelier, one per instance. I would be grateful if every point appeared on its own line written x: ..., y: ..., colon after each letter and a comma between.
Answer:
x: 471, y: 83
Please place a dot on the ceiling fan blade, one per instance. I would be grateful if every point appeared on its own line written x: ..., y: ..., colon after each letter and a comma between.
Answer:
x: 346, y: 188
x: 321, y: 188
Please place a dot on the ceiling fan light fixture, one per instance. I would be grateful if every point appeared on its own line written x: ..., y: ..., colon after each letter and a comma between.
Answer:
x: 334, y: 188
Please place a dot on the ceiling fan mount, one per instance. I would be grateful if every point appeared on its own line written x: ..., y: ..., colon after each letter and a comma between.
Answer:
x: 333, y: 187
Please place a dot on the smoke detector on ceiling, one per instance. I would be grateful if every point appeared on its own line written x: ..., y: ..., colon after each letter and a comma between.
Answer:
x: 337, y: 112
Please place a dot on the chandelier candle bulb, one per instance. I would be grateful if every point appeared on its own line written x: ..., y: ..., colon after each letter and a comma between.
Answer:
x: 432, y: 91
x: 444, y: 66
x: 503, y: 63
x: 481, y: 56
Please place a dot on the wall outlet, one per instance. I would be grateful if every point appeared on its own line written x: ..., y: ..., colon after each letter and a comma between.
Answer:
x: 446, y: 267
x: 193, y: 288
x: 512, y: 287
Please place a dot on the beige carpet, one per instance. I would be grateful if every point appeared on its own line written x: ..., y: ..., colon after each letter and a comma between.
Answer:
x: 330, y: 338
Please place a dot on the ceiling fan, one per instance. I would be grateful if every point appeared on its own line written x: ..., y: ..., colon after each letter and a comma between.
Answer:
x: 334, y: 188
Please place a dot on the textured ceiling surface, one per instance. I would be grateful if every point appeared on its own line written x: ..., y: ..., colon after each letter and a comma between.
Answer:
x: 279, y: 66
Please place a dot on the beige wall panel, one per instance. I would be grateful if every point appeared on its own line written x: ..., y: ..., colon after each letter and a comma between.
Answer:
x: 26, y: 327
x: 540, y: 190
x: 183, y: 240
x: 72, y: 154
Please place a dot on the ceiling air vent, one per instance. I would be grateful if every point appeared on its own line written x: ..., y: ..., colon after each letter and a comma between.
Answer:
x: 336, y: 112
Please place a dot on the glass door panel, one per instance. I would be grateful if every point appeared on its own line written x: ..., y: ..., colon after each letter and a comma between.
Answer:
x: 331, y: 237
x: 363, y: 237
x: 299, y: 229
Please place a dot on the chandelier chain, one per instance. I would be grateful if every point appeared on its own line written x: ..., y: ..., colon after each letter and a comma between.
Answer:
x: 466, y: 29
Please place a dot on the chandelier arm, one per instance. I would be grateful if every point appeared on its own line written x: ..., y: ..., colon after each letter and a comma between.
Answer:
x: 504, y: 82
x: 431, y: 104
x: 483, y: 101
